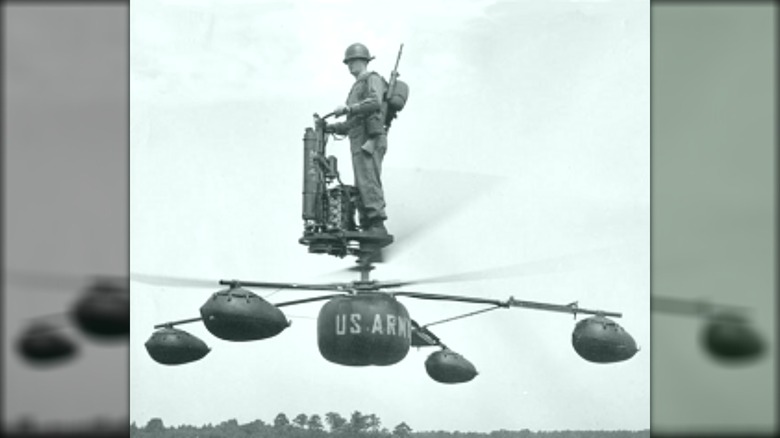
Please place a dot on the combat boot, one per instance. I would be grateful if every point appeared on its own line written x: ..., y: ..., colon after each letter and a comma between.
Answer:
x: 364, y: 223
x: 377, y: 227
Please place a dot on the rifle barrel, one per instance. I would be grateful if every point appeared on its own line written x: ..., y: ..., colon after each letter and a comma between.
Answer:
x: 398, y: 59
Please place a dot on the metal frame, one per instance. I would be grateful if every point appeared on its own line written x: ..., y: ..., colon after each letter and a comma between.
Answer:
x: 359, y: 287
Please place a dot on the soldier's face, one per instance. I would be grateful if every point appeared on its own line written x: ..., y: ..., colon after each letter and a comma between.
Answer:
x: 357, y: 66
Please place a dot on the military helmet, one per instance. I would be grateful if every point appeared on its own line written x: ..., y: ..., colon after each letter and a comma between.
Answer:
x: 357, y: 51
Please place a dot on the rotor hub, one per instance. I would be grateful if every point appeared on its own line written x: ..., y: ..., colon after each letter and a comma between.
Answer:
x: 365, y: 286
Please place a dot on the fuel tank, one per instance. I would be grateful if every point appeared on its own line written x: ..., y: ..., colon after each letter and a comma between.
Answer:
x: 601, y: 340
x: 104, y: 311
x: 42, y: 343
x: 237, y: 314
x: 447, y: 366
x: 730, y: 338
x: 171, y: 346
x: 370, y: 328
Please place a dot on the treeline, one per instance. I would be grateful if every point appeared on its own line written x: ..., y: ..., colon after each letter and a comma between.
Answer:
x: 333, y: 425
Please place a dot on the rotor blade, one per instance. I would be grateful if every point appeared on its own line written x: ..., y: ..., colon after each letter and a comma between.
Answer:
x: 165, y: 280
x: 55, y: 281
x: 298, y: 286
x: 61, y: 317
x: 438, y: 196
x: 565, y: 263
x: 307, y: 300
x: 181, y: 321
x: 442, y: 297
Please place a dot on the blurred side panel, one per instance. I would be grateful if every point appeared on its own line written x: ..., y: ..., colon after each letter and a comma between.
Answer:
x: 714, y: 210
x: 65, y: 205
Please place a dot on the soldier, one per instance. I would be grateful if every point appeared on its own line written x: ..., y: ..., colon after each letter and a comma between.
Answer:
x: 367, y: 136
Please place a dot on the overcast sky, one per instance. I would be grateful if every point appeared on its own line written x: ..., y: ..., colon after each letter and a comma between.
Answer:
x: 541, y: 108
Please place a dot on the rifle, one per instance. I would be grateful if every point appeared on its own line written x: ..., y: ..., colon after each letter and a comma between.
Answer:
x: 391, y: 83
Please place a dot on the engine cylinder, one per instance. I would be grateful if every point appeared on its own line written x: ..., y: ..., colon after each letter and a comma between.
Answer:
x: 341, y: 208
x: 311, y: 176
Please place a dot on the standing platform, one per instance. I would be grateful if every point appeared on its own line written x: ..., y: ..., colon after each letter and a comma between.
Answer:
x: 344, y: 243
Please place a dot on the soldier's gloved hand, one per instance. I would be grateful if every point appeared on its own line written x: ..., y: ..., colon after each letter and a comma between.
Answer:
x: 341, y: 110
x: 326, y: 128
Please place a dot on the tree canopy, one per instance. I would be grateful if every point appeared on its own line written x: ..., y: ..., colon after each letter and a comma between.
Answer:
x: 357, y: 424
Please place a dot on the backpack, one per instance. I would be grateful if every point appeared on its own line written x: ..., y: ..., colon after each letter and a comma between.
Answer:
x: 396, y: 102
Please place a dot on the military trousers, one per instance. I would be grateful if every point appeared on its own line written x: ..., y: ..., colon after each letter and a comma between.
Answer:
x: 367, y: 167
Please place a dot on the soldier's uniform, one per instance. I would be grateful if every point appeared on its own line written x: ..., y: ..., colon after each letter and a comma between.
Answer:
x: 365, y: 122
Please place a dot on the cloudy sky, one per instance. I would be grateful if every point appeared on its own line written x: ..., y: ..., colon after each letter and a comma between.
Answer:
x: 536, y: 112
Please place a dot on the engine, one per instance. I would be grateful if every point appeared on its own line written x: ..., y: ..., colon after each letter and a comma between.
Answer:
x: 329, y: 206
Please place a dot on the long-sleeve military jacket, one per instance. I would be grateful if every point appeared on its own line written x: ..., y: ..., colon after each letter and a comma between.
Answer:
x: 365, y: 107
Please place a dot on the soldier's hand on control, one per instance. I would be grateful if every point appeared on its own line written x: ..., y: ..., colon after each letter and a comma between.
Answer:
x: 340, y: 110
x: 326, y: 127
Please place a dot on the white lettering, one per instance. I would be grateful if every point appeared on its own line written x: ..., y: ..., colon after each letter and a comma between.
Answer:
x: 384, y: 324
x: 377, y: 324
x: 390, y: 324
x: 355, y: 319
x: 402, y: 326
x: 341, y: 324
